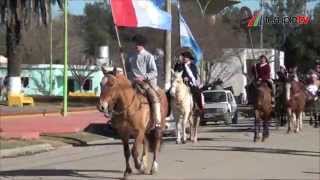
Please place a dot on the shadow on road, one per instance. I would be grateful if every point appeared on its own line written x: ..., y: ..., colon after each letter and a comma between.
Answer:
x: 256, y: 150
x: 75, y: 173
x: 307, y: 172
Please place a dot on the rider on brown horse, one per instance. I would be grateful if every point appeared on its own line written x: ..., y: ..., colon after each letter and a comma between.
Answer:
x: 262, y: 72
x: 142, y: 70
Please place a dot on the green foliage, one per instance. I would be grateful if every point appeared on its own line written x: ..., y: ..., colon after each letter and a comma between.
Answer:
x: 98, y: 27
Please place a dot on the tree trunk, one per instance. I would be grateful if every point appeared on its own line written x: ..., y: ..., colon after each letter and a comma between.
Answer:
x: 13, y: 39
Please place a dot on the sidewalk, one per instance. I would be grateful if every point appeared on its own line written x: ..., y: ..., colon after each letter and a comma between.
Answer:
x: 32, y: 126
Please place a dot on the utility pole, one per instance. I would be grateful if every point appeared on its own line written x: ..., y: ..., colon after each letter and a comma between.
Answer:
x: 65, y: 74
x: 50, y: 74
x: 168, y: 52
x: 261, y: 24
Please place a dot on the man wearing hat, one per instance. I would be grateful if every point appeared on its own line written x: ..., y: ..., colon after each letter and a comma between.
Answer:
x: 190, y: 75
x: 142, y: 70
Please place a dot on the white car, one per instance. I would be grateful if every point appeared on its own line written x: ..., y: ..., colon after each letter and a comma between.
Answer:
x: 219, y: 105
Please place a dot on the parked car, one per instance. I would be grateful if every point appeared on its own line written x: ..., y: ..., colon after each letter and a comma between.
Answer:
x: 220, y: 105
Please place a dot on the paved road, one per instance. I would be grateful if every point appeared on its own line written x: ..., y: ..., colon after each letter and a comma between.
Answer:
x: 222, y: 153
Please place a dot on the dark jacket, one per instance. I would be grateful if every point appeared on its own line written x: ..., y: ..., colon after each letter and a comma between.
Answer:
x: 263, y: 72
x: 181, y: 67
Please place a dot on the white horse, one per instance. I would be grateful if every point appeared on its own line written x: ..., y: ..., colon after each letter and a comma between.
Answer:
x: 184, y: 109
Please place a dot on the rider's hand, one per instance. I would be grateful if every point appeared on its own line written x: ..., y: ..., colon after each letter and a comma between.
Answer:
x: 186, y: 79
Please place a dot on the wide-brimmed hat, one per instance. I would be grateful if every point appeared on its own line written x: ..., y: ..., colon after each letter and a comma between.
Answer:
x: 186, y: 52
x: 139, y: 39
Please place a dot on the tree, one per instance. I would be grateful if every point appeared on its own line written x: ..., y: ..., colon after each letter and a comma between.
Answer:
x: 83, y: 70
x: 18, y: 15
x: 98, y: 28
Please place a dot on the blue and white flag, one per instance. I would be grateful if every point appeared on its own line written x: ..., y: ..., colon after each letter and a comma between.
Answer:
x: 187, y: 40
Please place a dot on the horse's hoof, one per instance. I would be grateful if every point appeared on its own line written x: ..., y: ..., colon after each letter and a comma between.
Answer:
x: 142, y: 169
x: 127, y: 172
x: 264, y: 138
x: 178, y: 142
x: 155, y: 168
x: 184, y: 142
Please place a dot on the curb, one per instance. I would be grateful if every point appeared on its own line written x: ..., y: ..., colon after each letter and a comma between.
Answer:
x: 25, y: 150
x: 102, y: 141
x: 32, y: 149
x: 5, y: 117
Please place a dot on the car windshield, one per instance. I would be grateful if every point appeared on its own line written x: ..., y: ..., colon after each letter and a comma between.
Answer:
x: 212, y: 97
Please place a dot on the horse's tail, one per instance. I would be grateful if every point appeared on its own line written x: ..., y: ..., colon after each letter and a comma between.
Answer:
x: 154, y: 137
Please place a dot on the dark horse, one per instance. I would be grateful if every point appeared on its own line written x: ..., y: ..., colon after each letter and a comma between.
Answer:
x: 281, y: 106
x: 260, y: 97
x: 130, y: 117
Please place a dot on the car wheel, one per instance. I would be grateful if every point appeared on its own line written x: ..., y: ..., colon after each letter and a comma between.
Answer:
x: 235, y: 118
x: 228, y: 120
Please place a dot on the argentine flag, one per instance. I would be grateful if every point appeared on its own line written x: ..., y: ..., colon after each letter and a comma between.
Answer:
x: 187, y: 40
x: 140, y: 13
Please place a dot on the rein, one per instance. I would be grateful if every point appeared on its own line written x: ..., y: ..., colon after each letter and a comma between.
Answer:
x: 126, y: 109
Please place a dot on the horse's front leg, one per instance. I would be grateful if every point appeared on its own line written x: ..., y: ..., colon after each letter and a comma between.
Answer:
x: 184, y: 124
x: 257, y: 126
x: 196, y: 126
x: 156, y: 150
x: 137, y: 146
x: 126, y: 150
x: 144, y: 157
x: 266, y: 123
x: 299, y: 122
x: 178, y: 128
x: 290, y: 119
x: 191, y: 124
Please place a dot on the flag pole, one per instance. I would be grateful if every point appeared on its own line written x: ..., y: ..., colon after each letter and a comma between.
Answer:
x: 121, y: 51
x: 168, y: 52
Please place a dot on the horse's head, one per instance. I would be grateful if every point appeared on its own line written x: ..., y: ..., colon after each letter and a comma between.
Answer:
x: 176, y: 82
x: 110, y: 93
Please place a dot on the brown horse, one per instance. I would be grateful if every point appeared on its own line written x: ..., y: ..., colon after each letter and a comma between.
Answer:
x: 130, y: 116
x: 263, y: 110
x: 297, y: 97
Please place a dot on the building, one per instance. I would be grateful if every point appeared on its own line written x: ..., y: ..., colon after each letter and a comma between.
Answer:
x: 234, y: 66
x: 36, y: 79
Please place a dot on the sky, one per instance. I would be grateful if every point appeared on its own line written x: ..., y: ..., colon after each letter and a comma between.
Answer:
x: 77, y: 6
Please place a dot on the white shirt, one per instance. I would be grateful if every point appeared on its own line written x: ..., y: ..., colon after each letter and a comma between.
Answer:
x: 313, y: 89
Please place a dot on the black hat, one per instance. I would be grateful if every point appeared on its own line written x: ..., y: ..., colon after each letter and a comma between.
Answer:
x: 139, y: 40
x: 186, y: 52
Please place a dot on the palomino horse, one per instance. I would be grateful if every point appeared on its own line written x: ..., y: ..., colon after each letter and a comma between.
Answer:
x: 296, y: 102
x: 184, y: 109
x: 263, y: 110
x: 130, y: 117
